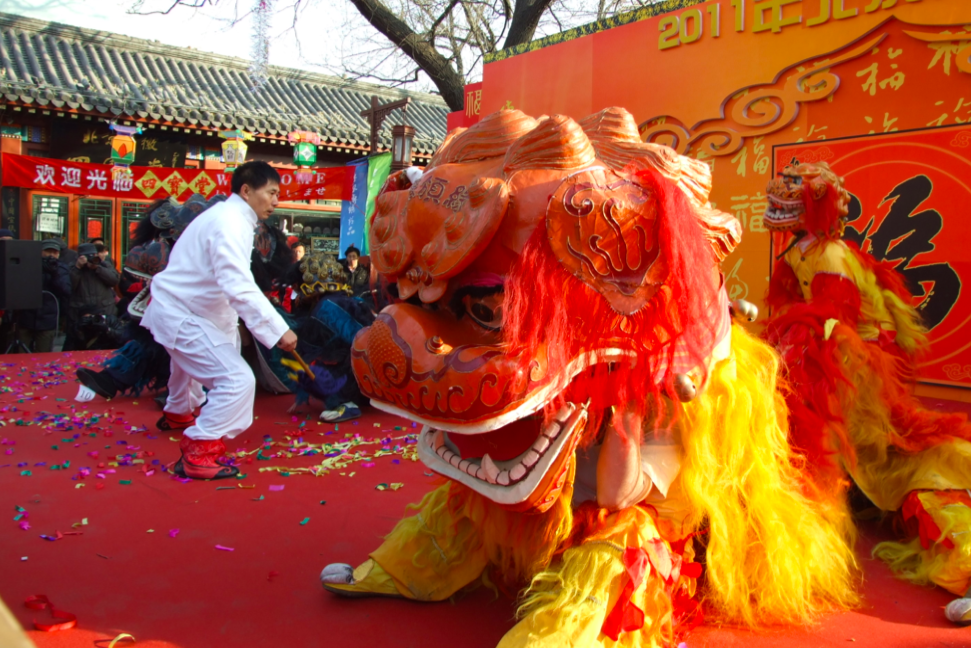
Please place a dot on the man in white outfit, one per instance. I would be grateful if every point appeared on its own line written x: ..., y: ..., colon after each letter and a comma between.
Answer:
x: 197, y: 301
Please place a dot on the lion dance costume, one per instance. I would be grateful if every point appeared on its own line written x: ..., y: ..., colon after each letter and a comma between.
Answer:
x: 326, y: 318
x: 849, y: 339
x: 615, y: 447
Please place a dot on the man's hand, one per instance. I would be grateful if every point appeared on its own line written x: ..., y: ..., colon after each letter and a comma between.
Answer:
x: 288, y: 342
x: 82, y: 261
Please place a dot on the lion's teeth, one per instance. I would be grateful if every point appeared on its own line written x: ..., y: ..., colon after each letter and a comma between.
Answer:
x: 530, y: 459
x: 517, y: 473
x: 552, y: 430
x: 503, y: 479
x: 565, y: 412
x: 490, y: 469
x: 541, y: 444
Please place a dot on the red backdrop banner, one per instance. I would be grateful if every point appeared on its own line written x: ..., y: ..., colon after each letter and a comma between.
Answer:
x: 911, y: 194
x: 330, y: 183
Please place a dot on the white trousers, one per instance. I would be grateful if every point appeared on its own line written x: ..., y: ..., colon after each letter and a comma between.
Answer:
x: 204, y: 356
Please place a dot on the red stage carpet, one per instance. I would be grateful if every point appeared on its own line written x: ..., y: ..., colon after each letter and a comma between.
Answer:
x: 146, y: 561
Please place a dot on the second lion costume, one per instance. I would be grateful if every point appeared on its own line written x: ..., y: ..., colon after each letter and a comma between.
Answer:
x: 850, y: 340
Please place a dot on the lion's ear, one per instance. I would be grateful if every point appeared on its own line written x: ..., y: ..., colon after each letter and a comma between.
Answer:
x: 603, y: 229
x: 723, y: 231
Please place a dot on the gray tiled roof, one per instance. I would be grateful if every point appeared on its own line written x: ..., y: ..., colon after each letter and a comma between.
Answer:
x: 56, y: 66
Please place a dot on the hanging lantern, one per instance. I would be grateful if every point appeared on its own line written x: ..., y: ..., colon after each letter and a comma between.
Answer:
x: 403, y: 137
x: 304, y: 154
x: 234, y: 148
x: 122, y: 153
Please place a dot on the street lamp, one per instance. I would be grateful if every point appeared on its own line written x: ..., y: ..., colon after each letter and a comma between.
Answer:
x: 376, y: 114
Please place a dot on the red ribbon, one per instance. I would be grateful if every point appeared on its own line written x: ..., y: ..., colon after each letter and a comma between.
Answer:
x: 65, y: 620
x: 625, y: 615
x: 913, y: 511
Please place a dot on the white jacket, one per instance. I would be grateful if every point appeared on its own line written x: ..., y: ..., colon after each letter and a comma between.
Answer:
x: 208, y: 277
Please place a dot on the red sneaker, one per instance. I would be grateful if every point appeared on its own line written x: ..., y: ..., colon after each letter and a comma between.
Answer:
x: 171, y: 422
x: 200, y: 459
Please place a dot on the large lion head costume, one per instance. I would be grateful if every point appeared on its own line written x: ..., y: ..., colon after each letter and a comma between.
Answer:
x: 545, y: 270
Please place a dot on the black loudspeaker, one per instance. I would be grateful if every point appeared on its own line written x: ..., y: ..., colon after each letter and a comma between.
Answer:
x: 21, y: 284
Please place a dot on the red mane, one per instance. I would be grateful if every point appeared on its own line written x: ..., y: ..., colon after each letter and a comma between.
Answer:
x: 546, y: 305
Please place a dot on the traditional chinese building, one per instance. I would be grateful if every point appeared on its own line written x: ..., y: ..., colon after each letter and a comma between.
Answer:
x: 59, y: 85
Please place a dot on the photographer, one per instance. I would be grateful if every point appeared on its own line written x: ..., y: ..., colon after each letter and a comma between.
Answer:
x: 36, y: 328
x: 92, y: 292
x: 102, y: 250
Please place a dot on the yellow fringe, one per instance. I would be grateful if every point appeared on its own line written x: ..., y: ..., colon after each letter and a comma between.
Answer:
x: 567, y: 604
x: 457, y: 533
x: 949, y: 568
x: 884, y: 473
x: 773, y: 555
x: 884, y: 309
x: 518, y: 545
x: 432, y: 554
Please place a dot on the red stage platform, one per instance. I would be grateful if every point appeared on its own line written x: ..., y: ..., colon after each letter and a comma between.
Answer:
x: 129, y: 571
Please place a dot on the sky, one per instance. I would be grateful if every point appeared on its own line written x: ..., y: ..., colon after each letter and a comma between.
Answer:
x: 321, y: 37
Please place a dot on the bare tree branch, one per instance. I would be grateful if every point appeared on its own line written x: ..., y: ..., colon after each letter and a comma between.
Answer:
x: 192, y: 4
x: 448, y: 81
x: 438, y: 21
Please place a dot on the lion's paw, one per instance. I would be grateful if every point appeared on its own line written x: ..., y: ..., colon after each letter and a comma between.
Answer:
x: 959, y: 611
x: 369, y: 579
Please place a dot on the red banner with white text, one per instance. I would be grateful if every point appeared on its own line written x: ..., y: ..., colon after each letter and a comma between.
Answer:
x: 81, y: 178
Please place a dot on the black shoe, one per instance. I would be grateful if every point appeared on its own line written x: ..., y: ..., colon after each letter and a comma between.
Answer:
x: 98, y: 382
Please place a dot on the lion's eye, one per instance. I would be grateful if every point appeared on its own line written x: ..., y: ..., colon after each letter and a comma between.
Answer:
x: 485, y: 311
x: 482, y: 313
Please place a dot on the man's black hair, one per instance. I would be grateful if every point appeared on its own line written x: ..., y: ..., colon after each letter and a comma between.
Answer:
x: 352, y: 249
x: 256, y: 174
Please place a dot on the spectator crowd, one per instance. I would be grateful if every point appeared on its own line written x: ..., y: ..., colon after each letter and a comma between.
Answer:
x: 85, y: 296
x: 79, y: 299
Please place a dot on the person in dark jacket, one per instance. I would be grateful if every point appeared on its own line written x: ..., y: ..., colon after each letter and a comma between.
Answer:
x: 359, y: 278
x: 92, y: 294
x: 36, y: 328
x: 7, y: 333
x: 68, y: 256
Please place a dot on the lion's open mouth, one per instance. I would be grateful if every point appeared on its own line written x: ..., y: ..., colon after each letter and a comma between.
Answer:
x: 137, y: 306
x: 505, y: 478
x: 783, y: 214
